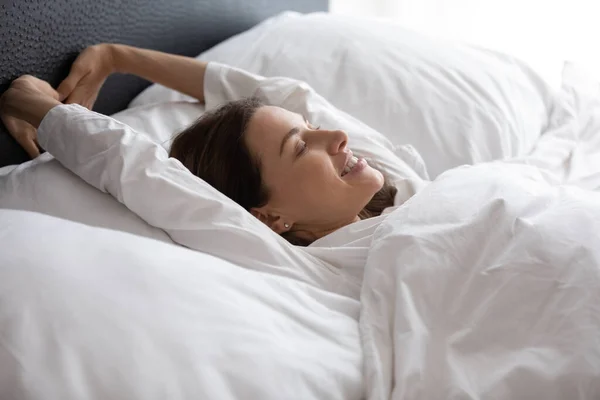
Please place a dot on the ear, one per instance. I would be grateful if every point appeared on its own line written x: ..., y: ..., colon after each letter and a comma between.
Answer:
x: 275, y: 222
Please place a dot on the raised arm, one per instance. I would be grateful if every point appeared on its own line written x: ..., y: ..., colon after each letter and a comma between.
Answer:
x: 114, y: 158
x: 98, y: 62
x: 138, y: 172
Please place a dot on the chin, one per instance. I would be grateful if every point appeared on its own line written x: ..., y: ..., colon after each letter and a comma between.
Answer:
x: 376, y: 179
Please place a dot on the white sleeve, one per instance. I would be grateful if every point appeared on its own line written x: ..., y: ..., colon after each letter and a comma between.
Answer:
x: 223, y: 83
x: 114, y: 158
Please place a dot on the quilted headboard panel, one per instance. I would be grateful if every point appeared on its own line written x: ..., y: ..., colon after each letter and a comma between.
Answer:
x: 43, y: 37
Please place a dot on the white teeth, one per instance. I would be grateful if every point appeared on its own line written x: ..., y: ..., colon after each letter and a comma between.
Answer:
x: 351, y: 163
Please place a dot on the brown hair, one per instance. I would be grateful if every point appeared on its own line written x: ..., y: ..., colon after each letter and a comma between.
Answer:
x: 213, y: 148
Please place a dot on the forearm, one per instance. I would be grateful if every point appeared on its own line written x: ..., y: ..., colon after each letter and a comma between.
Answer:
x: 184, y: 74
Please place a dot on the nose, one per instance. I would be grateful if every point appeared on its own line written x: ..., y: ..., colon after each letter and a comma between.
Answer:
x: 337, y: 140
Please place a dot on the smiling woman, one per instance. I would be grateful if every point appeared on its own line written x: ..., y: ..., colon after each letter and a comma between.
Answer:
x: 300, y: 180
x: 256, y: 144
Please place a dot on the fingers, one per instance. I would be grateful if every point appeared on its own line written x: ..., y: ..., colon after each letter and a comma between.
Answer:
x: 86, y: 91
x: 83, y: 96
x: 26, y: 136
x: 37, y: 144
x: 31, y: 148
x: 91, y: 101
x: 68, y: 85
x: 24, y: 133
x: 86, y: 77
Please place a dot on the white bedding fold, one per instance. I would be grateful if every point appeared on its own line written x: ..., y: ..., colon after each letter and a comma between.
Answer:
x: 569, y: 151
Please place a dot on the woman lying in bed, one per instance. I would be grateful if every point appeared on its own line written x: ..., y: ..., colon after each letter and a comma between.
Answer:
x: 490, y: 273
x: 301, y: 180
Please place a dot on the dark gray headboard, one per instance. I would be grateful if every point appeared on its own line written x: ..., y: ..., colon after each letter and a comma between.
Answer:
x: 43, y: 37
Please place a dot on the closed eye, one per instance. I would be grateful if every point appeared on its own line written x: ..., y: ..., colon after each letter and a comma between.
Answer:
x: 301, y: 148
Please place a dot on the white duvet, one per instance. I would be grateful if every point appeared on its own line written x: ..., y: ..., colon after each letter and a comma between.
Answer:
x: 485, y: 285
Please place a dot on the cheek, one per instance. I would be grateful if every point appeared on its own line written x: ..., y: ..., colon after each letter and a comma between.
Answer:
x: 307, y: 184
x: 319, y: 179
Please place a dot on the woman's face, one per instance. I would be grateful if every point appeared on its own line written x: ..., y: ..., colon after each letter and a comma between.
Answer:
x: 305, y: 170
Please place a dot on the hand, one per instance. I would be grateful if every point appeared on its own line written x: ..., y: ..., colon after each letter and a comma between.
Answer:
x: 87, y: 75
x: 22, y: 108
x: 24, y: 133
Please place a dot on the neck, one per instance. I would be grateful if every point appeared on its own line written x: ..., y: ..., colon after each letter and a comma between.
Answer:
x: 313, y: 232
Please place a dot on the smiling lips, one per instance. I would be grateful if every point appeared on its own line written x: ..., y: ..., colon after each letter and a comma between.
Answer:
x: 349, y: 165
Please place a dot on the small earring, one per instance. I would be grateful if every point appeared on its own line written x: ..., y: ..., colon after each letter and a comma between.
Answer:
x: 287, y: 226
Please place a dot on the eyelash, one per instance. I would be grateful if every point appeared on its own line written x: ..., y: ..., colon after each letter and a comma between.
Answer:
x: 303, y: 148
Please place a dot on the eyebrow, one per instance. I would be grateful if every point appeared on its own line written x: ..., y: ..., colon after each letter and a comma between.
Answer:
x: 292, y: 132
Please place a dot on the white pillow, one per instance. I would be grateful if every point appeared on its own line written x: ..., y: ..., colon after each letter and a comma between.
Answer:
x: 161, y: 121
x: 454, y: 103
x: 91, y: 313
